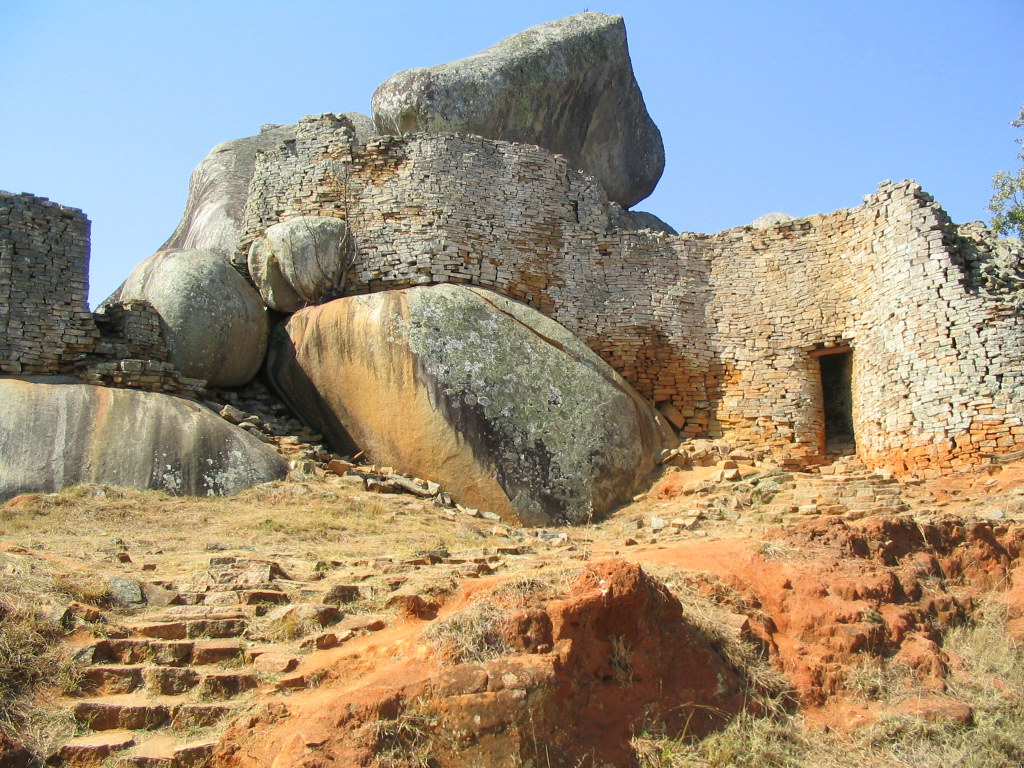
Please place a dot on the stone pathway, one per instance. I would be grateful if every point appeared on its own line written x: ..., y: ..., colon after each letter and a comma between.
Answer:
x: 158, y: 689
x: 155, y: 688
x: 846, y: 488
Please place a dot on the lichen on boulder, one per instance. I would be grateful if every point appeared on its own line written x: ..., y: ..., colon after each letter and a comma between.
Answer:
x: 54, y: 434
x: 502, y: 406
x: 566, y: 85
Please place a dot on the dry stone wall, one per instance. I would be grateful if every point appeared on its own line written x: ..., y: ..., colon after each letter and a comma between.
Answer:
x: 130, y: 330
x: 45, y: 323
x: 725, y: 328
x: 937, y: 375
x: 725, y: 332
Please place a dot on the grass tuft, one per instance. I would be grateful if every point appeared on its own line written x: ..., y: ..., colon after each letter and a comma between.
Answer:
x: 475, y: 634
x: 34, y: 667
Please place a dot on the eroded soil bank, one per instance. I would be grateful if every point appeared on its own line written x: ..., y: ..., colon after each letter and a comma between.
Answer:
x: 314, y: 624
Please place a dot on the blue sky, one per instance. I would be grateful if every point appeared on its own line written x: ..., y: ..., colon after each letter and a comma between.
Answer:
x: 792, y: 106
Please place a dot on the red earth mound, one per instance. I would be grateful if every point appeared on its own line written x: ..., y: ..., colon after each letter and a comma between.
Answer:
x: 615, y: 655
x: 612, y: 657
x: 827, y: 595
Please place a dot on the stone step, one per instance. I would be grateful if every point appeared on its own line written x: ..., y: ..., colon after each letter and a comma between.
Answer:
x: 191, y: 628
x: 221, y: 686
x: 218, y: 650
x: 125, y: 712
x: 170, y: 653
x: 192, y: 598
x: 170, y: 681
x: 157, y: 752
x: 199, y: 715
x: 167, y: 653
x: 195, y: 612
x: 125, y: 748
x: 95, y: 748
x: 166, y: 751
x: 111, y: 679
x: 132, y: 712
x: 195, y: 754
x: 264, y: 597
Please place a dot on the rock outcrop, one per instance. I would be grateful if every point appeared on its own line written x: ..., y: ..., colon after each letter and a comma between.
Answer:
x: 54, y: 434
x: 300, y: 261
x: 502, y: 406
x: 217, y: 192
x: 566, y: 85
x: 770, y: 220
x: 214, y: 323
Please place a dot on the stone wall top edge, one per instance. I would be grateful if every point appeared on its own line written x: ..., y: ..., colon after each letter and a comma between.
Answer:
x: 907, y: 187
x: 38, y: 200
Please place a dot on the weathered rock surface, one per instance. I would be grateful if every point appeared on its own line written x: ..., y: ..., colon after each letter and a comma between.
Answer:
x: 54, y: 434
x: 215, y: 324
x: 13, y: 754
x: 566, y: 85
x: 362, y: 125
x: 217, y: 192
x: 503, y: 407
x: 300, y: 261
x: 636, y: 220
x: 771, y: 220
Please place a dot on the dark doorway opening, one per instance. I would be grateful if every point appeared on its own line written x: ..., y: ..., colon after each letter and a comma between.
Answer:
x: 837, y: 392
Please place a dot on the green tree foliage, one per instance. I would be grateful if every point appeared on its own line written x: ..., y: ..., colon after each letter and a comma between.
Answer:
x: 1007, y: 204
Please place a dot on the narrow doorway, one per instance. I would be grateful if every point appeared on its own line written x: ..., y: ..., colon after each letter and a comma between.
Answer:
x: 837, y: 398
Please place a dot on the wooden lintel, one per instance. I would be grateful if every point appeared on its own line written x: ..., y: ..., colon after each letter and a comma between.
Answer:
x: 836, y: 350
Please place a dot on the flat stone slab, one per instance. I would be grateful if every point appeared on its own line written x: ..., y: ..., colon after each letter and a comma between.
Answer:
x: 95, y: 747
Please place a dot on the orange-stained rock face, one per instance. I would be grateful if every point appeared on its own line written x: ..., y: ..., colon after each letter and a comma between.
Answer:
x: 503, y: 407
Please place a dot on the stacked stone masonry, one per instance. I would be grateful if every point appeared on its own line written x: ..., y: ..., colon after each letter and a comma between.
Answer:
x: 45, y: 323
x: 727, y: 328
x: 130, y: 330
x: 153, y: 375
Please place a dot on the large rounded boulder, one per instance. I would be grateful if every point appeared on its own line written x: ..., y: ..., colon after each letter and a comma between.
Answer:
x: 566, y: 85
x: 54, y: 434
x: 214, y: 323
x: 300, y: 262
x: 501, y: 405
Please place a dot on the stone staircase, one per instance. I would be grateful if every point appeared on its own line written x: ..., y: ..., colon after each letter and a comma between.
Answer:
x: 144, y: 695
x: 845, y: 488
x: 156, y: 691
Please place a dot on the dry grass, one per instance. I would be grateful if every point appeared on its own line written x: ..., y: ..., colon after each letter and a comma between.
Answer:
x: 407, y: 741
x: 710, y: 613
x: 301, y: 524
x: 319, y: 522
x: 33, y: 666
x: 307, y: 520
x: 475, y: 634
